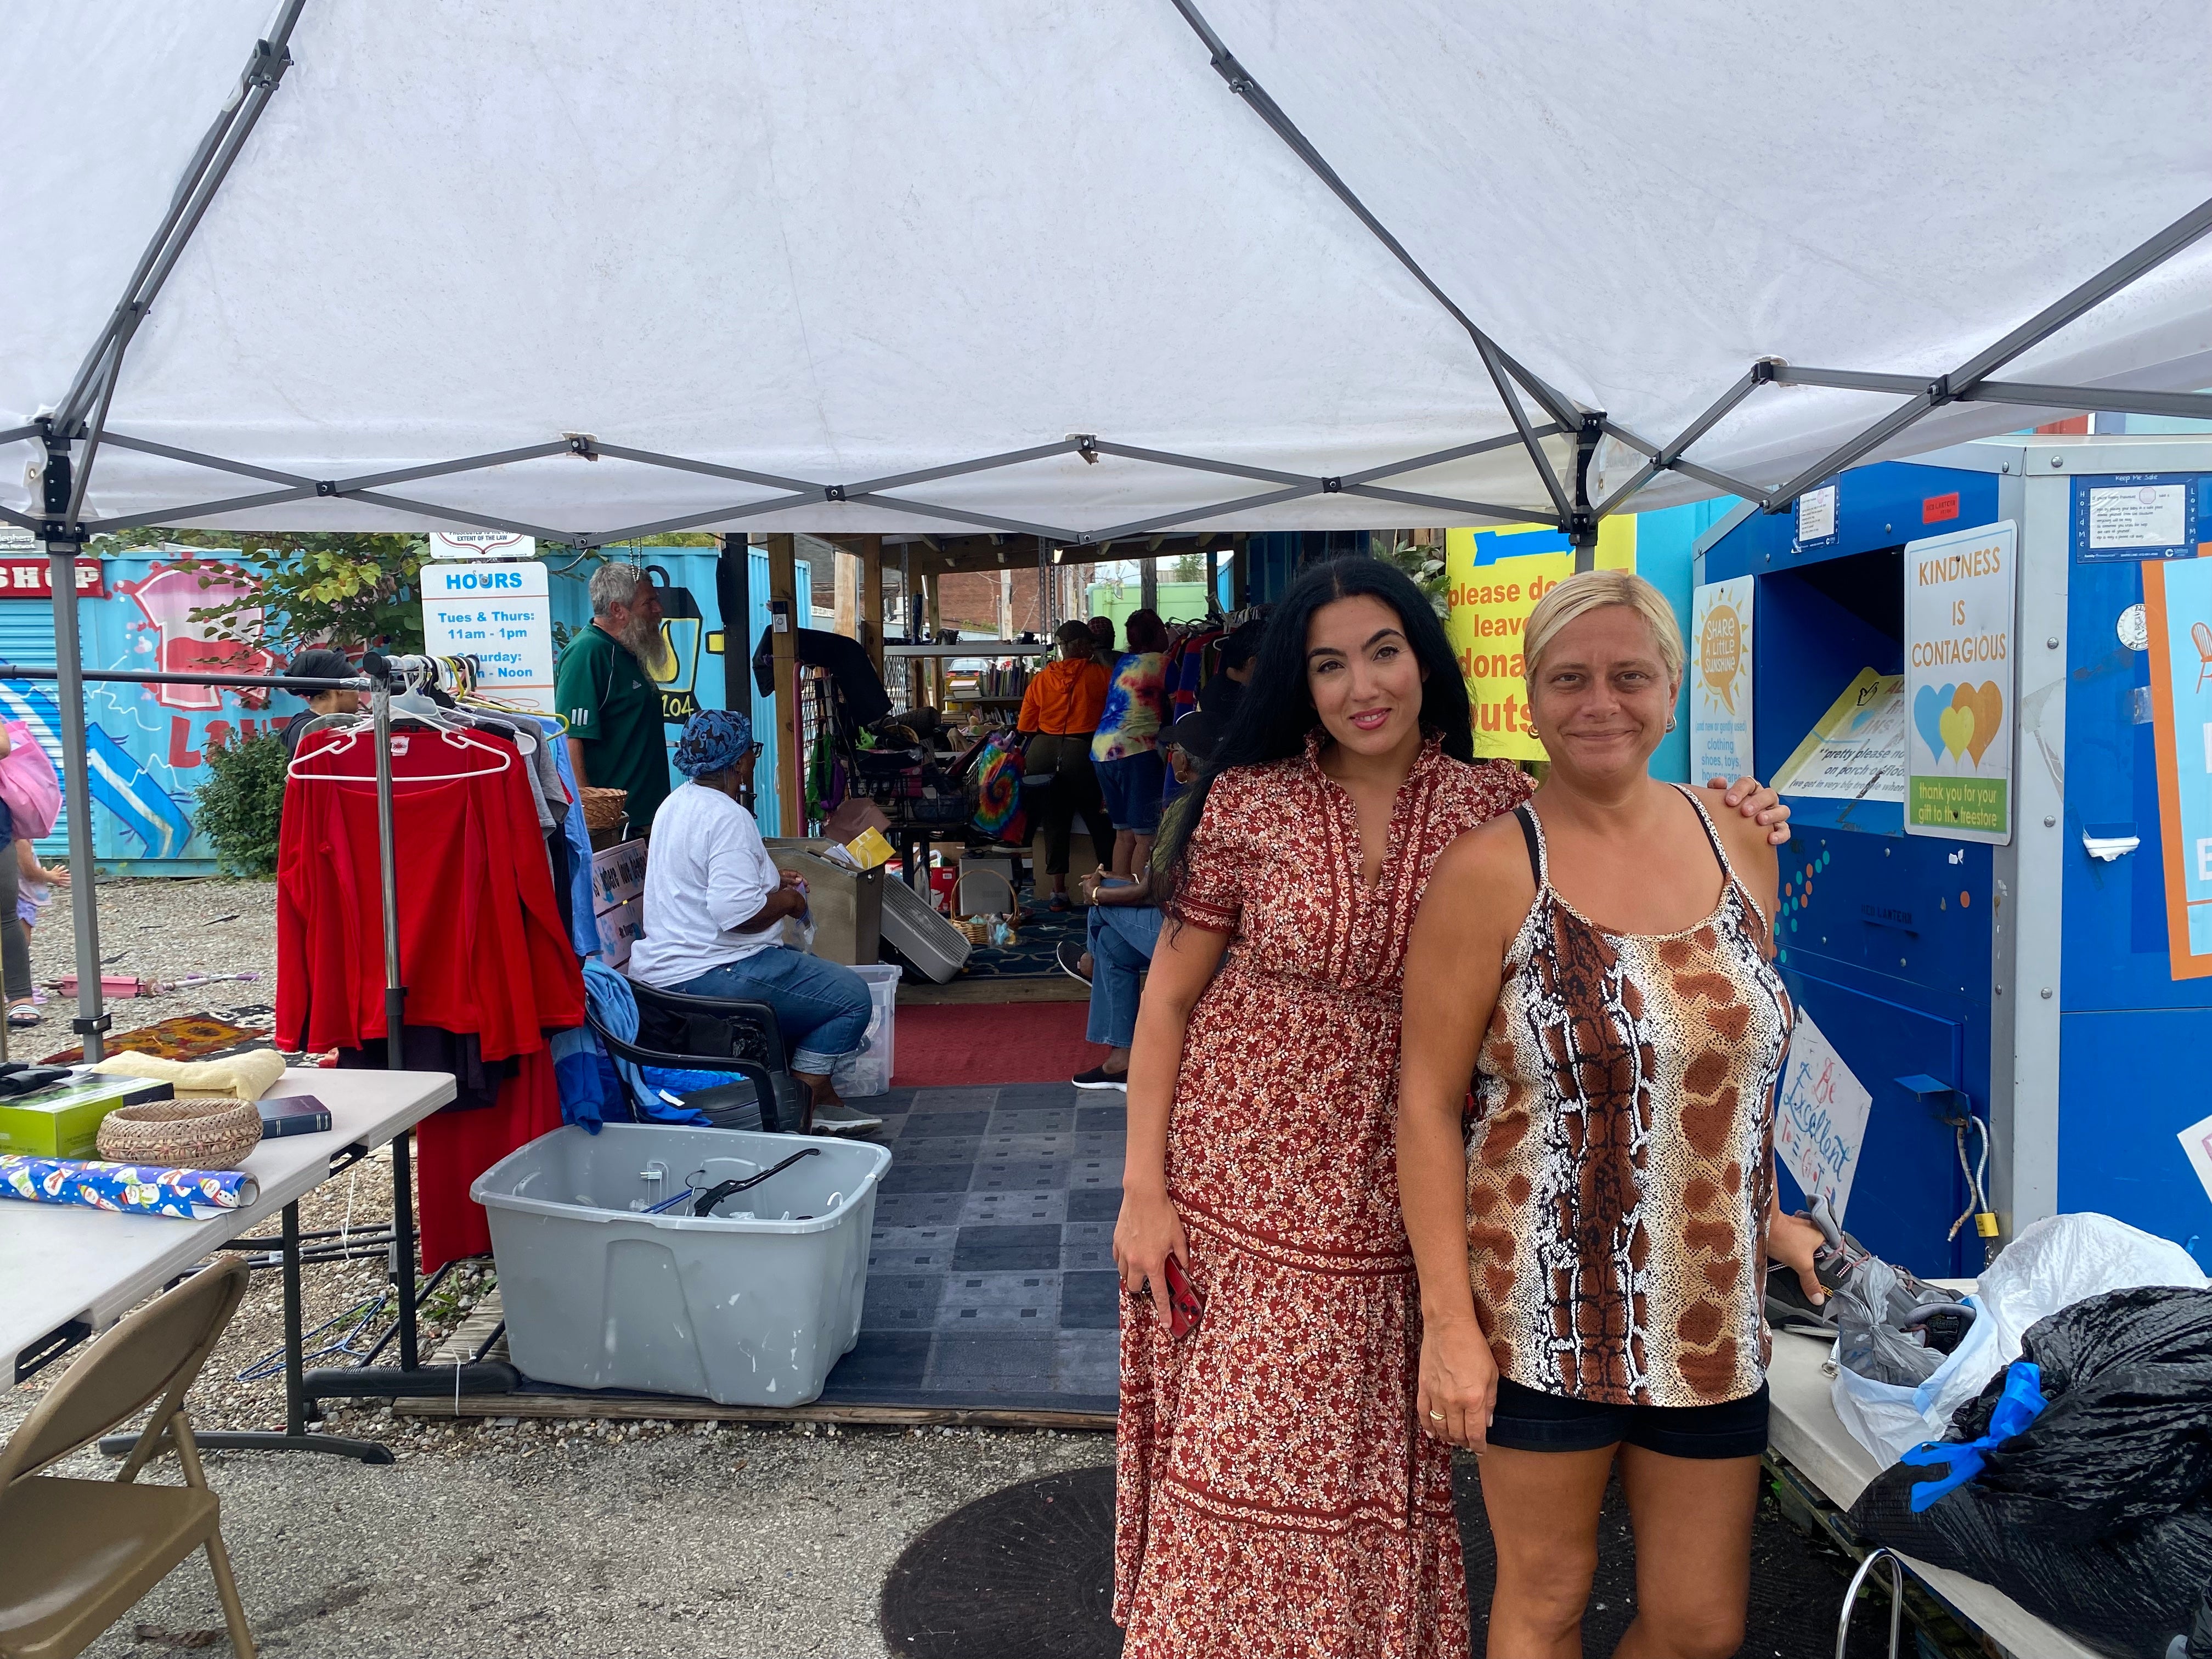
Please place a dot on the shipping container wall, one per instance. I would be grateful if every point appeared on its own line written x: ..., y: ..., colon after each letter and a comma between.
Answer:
x: 148, y: 743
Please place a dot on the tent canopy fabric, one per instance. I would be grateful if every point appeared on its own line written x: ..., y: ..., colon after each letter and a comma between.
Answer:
x: 821, y: 244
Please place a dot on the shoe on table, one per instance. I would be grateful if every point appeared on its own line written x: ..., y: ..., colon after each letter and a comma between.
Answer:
x: 1099, y: 1078
x: 843, y: 1119
x: 1069, y: 955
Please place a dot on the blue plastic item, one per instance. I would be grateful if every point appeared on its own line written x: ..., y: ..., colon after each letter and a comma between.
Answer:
x: 2020, y: 1405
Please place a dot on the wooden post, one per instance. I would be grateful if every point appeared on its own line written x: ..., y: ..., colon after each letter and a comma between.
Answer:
x: 934, y: 620
x: 848, y: 589
x: 790, y: 767
x: 871, y: 599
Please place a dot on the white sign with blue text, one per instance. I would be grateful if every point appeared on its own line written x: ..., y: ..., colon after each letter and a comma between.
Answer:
x: 502, y: 615
x: 1819, y: 1117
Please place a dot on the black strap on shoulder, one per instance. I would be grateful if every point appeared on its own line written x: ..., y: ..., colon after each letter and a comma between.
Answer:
x: 1712, y: 833
x: 1529, y: 834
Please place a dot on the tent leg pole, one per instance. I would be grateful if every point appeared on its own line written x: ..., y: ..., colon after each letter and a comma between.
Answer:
x: 77, y: 782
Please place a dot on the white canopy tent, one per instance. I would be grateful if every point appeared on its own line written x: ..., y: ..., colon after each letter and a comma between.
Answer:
x: 848, y: 268
x: 592, y: 271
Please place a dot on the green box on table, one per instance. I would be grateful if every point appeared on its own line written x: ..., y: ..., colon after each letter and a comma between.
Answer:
x: 64, y: 1121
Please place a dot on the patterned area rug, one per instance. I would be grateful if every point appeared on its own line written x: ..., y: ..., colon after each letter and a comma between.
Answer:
x: 183, y: 1037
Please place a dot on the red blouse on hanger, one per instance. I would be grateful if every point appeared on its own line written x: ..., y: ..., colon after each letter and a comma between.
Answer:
x: 482, y: 948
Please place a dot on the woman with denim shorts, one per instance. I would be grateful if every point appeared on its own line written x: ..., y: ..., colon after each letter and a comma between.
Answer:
x: 1125, y: 751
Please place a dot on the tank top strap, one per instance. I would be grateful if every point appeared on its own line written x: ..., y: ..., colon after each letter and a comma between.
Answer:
x: 1712, y: 835
x: 1533, y: 833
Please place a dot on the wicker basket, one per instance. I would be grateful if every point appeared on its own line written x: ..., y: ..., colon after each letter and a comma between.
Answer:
x: 605, y: 809
x: 211, y: 1131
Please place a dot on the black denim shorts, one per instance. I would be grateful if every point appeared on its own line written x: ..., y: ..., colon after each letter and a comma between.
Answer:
x: 1527, y: 1420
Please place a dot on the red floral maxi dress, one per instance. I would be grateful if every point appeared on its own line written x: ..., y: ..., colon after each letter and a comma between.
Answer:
x: 1276, y: 1497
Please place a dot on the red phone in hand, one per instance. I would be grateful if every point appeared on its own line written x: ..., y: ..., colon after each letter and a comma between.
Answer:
x: 1184, y: 1306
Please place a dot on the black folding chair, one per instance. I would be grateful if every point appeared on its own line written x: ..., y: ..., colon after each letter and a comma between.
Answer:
x: 709, y: 1034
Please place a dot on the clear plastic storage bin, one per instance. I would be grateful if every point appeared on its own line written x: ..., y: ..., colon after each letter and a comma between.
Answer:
x: 870, y: 1072
x: 750, y: 1306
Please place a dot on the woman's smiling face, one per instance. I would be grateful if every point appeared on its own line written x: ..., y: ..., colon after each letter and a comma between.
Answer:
x: 1601, y: 697
x: 1365, y: 681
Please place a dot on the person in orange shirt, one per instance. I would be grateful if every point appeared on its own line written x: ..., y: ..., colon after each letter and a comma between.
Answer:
x: 1059, y: 714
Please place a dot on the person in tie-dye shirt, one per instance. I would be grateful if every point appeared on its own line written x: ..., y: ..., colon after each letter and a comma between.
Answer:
x: 1126, y: 751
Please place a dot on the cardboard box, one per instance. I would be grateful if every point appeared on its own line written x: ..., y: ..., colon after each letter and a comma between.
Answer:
x: 64, y: 1121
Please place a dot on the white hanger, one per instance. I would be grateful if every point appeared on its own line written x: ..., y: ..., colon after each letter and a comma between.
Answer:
x: 460, y: 739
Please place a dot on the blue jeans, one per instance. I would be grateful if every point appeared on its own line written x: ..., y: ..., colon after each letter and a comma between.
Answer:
x: 821, y: 1008
x: 1121, y: 937
x: 1131, y: 789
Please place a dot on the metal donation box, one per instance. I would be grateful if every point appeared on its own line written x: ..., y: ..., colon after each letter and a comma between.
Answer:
x: 1983, y: 681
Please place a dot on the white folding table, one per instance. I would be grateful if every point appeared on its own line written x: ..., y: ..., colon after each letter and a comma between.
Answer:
x: 1805, y: 1431
x: 67, y: 1272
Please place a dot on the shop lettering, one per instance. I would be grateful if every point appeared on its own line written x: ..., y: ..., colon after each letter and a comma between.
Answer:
x: 1974, y: 648
x: 1960, y: 567
x: 472, y: 580
x: 183, y: 756
x: 1499, y: 667
x: 27, y: 578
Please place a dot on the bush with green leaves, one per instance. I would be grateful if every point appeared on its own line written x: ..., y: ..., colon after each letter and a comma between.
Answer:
x: 242, y: 802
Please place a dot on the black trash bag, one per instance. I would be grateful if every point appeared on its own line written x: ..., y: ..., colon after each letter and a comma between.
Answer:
x: 2098, y: 1517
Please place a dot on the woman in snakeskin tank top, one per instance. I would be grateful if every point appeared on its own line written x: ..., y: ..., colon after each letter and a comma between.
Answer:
x: 1592, y: 1258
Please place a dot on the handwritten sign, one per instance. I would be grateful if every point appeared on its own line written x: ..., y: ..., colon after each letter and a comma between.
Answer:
x: 1819, y: 1117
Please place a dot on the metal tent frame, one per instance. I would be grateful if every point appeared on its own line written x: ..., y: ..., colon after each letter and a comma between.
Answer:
x: 75, y: 431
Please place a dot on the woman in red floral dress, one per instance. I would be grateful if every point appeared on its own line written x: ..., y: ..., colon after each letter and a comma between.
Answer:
x: 1275, y: 1496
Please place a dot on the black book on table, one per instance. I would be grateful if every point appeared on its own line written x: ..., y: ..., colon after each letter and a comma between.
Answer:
x: 293, y: 1114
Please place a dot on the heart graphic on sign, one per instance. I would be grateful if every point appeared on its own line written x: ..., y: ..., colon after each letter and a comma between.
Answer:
x: 1986, y: 703
x: 1958, y: 726
x: 1927, y: 706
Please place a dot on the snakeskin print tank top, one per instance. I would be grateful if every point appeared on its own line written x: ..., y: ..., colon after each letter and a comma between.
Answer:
x: 1619, y: 1167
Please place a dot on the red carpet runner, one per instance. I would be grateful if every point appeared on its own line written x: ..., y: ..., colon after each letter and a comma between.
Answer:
x: 950, y: 1047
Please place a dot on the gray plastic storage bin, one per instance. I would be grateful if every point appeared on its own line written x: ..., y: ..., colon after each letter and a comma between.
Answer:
x: 743, y: 1312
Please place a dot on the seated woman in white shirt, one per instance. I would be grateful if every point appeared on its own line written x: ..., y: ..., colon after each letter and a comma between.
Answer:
x: 713, y: 898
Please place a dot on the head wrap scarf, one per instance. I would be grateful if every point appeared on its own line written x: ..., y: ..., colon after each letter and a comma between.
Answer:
x: 714, y: 740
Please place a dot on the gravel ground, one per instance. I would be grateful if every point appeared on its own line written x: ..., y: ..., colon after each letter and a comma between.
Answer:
x: 575, y: 1539
x: 160, y: 929
x: 581, y: 1541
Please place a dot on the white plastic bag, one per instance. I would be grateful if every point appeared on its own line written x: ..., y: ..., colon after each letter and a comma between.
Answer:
x: 2056, y: 1262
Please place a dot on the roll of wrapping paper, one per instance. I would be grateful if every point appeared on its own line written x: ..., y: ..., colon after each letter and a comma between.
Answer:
x: 126, y: 1188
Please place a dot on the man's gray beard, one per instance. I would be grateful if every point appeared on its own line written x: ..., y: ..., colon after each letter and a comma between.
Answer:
x: 643, y: 640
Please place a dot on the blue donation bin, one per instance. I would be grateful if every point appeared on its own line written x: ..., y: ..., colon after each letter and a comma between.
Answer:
x: 1980, y: 680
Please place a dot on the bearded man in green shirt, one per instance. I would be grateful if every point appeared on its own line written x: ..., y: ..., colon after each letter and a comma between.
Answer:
x: 602, y: 689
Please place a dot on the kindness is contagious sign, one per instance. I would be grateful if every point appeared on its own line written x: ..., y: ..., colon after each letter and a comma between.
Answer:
x: 1959, y: 593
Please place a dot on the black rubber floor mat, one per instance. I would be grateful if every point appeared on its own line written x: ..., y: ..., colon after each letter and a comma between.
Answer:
x: 1029, y: 1570
x: 1023, y: 1573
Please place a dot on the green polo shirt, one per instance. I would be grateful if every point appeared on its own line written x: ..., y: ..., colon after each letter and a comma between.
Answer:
x: 614, y: 710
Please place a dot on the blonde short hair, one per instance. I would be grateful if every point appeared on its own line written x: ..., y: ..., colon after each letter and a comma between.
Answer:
x: 1594, y: 589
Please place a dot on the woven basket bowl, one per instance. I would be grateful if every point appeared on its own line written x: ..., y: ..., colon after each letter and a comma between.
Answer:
x: 604, y: 808
x: 211, y: 1132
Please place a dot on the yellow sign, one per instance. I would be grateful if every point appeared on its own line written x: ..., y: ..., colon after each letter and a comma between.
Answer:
x: 1495, y: 577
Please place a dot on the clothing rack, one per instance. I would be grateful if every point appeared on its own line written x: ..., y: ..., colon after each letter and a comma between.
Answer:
x: 407, y: 1379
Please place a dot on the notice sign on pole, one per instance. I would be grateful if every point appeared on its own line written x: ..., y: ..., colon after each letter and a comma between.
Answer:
x: 1958, y: 592
x: 500, y: 614
x: 1720, y: 680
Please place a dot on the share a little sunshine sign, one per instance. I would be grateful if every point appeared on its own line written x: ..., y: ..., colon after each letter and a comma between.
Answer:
x: 1958, y: 594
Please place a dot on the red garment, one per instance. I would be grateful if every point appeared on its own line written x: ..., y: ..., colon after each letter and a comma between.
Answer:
x: 453, y: 1148
x: 482, y: 947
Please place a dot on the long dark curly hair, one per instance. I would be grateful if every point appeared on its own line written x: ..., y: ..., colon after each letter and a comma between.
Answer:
x: 1277, y: 709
